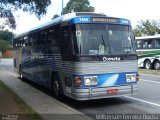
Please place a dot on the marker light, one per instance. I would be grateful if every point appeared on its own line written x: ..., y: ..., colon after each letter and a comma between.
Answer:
x: 137, y: 77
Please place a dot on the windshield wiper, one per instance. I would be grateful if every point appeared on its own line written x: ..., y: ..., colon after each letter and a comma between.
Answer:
x: 98, y: 53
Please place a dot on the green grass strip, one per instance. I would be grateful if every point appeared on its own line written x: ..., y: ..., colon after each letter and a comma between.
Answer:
x: 155, y: 72
x: 21, y: 103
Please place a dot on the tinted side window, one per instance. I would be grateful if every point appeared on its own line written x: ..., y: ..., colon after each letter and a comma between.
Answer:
x: 139, y: 44
x: 52, y: 33
x: 65, y: 42
x: 157, y: 43
x: 42, y: 37
x: 33, y: 39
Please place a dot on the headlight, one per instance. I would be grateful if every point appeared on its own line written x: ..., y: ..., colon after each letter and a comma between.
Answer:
x: 90, y: 80
x: 131, y: 77
x: 87, y: 81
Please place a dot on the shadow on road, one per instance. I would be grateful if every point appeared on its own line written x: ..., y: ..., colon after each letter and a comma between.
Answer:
x: 80, y: 105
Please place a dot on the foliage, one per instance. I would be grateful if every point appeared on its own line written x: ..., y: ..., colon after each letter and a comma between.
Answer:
x: 148, y: 27
x: 55, y: 16
x: 4, y: 45
x: 78, y: 6
x: 6, y: 35
x: 7, y: 7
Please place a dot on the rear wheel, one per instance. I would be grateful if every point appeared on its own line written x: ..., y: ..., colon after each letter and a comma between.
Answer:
x: 147, y: 64
x: 156, y: 65
x: 21, y: 74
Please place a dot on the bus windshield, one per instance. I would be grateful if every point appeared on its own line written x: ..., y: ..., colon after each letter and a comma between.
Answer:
x: 102, y: 39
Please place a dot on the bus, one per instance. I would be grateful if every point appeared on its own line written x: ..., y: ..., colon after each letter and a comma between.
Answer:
x: 148, y: 50
x: 80, y: 55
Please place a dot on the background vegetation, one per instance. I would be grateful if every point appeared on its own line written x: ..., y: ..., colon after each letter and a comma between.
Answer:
x: 147, y: 27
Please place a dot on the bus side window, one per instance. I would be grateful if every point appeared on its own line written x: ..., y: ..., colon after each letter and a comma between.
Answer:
x: 53, y: 40
x: 15, y: 43
x: 26, y: 41
x: 139, y: 43
x: 33, y: 39
x: 65, y: 41
x: 52, y: 36
x: 150, y: 43
x: 22, y: 41
x: 157, y: 43
x: 145, y: 44
x: 42, y: 39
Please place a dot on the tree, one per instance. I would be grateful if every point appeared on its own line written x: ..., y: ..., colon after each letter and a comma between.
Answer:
x: 7, y: 7
x: 78, y: 6
x: 55, y: 16
x: 4, y: 45
x: 148, y: 27
x: 6, y: 35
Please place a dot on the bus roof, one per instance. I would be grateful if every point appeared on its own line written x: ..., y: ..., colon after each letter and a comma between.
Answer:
x: 60, y: 19
x: 148, y: 37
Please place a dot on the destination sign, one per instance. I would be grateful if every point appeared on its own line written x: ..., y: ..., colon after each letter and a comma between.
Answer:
x: 89, y: 19
x: 112, y: 20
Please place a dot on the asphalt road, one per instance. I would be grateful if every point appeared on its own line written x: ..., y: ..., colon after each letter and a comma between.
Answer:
x: 147, y: 101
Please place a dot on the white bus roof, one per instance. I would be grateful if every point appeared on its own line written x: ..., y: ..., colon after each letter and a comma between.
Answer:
x: 148, y: 37
x: 57, y: 20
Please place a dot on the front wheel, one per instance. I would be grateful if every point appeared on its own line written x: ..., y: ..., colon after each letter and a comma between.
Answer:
x: 147, y: 64
x: 156, y: 65
x: 56, y: 87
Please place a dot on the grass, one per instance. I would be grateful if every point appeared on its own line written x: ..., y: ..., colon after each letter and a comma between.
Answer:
x: 21, y: 103
x: 156, y: 72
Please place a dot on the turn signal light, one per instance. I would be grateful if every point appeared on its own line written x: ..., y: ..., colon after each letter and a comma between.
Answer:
x: 137, y: 77
x: 77, y: 81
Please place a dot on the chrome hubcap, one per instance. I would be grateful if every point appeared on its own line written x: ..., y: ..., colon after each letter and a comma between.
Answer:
x: 21, y: 76
x: 157, y: 66
x: 148, y: 65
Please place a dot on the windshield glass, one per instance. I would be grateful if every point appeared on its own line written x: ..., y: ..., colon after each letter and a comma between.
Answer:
x: 102, y: 39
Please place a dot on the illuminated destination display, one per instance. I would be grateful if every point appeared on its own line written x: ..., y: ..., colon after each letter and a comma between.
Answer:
x: 88, y: 19
x: 112, y: 20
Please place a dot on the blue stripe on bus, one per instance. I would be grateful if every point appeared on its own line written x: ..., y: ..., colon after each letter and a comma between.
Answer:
x: 109, y: 79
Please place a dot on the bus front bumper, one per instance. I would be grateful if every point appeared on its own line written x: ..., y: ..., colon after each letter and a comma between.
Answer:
x: 98, y: 93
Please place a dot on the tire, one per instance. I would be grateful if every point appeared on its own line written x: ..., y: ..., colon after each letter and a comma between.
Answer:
x: 147, y: 64
x: 156, y: 65
x: 56, y: 87
x: 21, y: 74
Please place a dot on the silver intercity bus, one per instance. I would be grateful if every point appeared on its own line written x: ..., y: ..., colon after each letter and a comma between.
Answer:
x: 81, y: 55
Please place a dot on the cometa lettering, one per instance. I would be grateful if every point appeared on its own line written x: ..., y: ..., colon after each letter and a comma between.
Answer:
x: 111, y: 59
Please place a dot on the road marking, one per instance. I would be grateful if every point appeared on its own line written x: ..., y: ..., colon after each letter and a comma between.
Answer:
x: 150, y: 81
x: 9, y: 72
x: 151, y: 103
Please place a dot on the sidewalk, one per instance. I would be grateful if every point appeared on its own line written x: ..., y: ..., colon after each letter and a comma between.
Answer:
x: 47, y: 107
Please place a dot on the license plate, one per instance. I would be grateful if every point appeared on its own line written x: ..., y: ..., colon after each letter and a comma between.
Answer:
x: 112, y: 91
